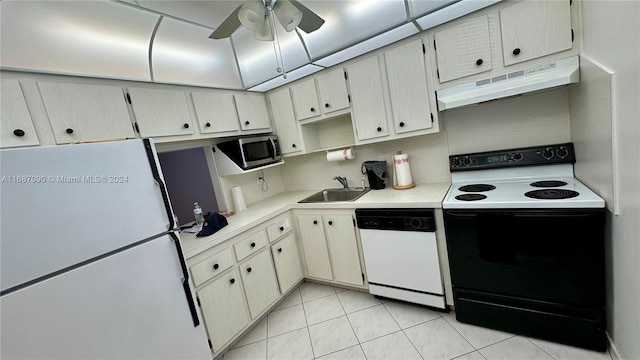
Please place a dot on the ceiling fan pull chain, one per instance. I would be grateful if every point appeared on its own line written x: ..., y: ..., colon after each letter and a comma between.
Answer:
x: 276, y: 45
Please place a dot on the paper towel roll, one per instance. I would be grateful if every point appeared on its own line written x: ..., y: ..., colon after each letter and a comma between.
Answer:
x: 341, y: 155
x: 402, y: 170
x: 238, y: 199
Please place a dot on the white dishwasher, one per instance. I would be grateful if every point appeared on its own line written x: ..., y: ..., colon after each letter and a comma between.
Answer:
x: 401, y: 255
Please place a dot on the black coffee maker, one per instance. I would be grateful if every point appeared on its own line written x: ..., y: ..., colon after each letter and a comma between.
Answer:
x: 376, y: 173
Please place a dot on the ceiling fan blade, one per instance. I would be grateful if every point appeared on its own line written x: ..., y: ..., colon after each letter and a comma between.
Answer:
x: 228, y: 26
x: 310, y: 21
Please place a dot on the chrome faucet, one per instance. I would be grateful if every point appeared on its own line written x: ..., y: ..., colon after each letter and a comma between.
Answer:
x: 343, y: 180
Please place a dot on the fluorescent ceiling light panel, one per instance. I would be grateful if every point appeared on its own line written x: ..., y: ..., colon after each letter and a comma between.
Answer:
x: 364, y: 47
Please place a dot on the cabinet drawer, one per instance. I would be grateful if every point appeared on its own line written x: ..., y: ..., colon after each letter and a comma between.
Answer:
x: 279, y: 228
x: 250, y: 244
x: 211, y: 266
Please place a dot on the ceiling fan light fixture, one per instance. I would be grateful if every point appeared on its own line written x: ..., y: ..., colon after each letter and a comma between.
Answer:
x: 264, y: 32
x: 252, y: 15
x: 288, y: 15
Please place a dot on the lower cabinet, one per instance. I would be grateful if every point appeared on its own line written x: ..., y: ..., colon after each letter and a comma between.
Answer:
x: 223, y: 309
x: 235, y: 291
x: 260, y: 284
x: 330, y: 247
x: 287, y: 262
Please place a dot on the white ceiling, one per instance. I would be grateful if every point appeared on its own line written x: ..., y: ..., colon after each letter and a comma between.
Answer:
x: 168, y: 41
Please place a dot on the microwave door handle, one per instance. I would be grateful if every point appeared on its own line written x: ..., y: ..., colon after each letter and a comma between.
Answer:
x: 272, y: 153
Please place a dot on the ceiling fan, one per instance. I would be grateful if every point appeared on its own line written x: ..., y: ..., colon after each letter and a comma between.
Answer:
x: 257, y: 15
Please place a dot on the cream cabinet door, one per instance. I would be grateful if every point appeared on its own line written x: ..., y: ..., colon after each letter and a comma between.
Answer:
x: 86, y: 112
x: 252, y: 112
x: 17, y: 127
x: 368, y: 106
x: 332, y: 88
x: 343, y: 249
x: 464, y: 49
x: 223, y: 308
x: 285, y: 122
x: 408, y: 87
x: 314, y: 245
x: 305, y: 99
x: 532, y: 29
x: 160, y: 112
x: 287, y: 262
x: 216, y: 112
x: 260, y: 284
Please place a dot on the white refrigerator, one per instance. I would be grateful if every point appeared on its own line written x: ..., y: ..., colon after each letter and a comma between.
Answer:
x: 90, y: 266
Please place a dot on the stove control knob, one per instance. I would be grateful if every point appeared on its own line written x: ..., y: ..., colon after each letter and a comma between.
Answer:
x: 562, y: 152
x: 547, y: 154
x: 517, y: 156
x: 466, y: 161
x: 456, y: 161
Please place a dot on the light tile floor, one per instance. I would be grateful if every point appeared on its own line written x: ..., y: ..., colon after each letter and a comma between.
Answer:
x: 323, y: 322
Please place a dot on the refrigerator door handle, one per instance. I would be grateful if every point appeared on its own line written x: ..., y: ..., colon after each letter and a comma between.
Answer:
x: 185, y: 281
x: 156, y: 176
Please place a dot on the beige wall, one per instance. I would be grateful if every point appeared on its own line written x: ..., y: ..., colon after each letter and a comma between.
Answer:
x: 611, y: 36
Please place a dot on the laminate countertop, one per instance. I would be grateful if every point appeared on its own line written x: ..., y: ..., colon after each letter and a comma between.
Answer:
x: 428, y: 195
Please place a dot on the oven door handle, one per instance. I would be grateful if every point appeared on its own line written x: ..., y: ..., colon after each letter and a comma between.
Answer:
x: 461, y: 214
x: 552, y: 215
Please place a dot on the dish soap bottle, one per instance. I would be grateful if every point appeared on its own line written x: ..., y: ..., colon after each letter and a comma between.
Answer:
x: 197, y: 212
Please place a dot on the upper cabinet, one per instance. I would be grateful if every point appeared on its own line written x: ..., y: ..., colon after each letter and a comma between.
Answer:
x: 368, y: 108
x: 253, y: 112
x: 160, y: 112
x: 16, y: 125
x: 328, y: 96
x: 215, y: 112
x: 285, y: 121
x: 532, y: 29
x: 464, y: 49
x: 86, y: 112
x: 411, y: 100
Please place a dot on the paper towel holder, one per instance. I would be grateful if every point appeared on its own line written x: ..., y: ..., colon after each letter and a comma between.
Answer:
x: 395, y: 185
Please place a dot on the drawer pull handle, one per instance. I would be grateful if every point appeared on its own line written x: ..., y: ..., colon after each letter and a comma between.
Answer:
x: 207, y: 124
x: 215, y: 266
x: 516, y: 51
x: 69, y: 131
x: 312, y: 110
x: 249, y: 270
x: 281, y: 228
x: 327, y: 105
x: 253, y: 244
x: 401, y: 124
x: 315, y: 222
x: 232, y: 280
x: 479, y: 62
x: 330, y: 222
x: 279, y: 250
x: 18, y: 132
x: 186, y: 126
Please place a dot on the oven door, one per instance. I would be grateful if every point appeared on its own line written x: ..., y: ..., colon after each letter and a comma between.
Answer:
x: 547, y: 255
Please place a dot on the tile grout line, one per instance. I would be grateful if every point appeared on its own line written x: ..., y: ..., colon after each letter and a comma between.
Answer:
x: 456, y: 330
x: 405, y: 334
x: 543, y: 350
x: 313, y: 353
x: 351, y: 325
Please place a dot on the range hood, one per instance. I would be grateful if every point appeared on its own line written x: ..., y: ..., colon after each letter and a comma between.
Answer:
x: 537, y: 78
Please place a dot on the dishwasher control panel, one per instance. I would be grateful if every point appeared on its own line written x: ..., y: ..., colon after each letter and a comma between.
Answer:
x: 396, y: 219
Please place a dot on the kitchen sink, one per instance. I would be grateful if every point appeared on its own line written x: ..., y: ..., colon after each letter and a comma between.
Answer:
x: 332, y: 195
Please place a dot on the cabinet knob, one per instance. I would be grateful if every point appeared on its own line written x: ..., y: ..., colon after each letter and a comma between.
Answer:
x: 279, y: 250
x: 215, y: 266
x: 232, y: 281
x: 281, y: 228
x: 69, y: 131
x: 293, y: 146
x: 18, y: 132
x: 207, y: 124
x: 330, y: 222
x: 379, y: 129
x: 327, y: 105
x: 253, y: 244
x: 479, y: 62
x: 247, y: 122
x: 313, y: 110
x: 315, y: 222
x: 186, y: 126
x: 249, y: 269
x: 516, y: 51
x: 401, y: 124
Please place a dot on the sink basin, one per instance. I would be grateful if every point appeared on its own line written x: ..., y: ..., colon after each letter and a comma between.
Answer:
x: 332, y: 195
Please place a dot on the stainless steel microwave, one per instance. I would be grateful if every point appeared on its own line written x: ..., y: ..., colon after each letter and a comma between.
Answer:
x: 252, y: 152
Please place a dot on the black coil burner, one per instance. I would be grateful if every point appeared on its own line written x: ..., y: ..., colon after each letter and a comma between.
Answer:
x: 476, y: 188
x: 551, y: 194
x: 548, y: 183
x: 470, y: 197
